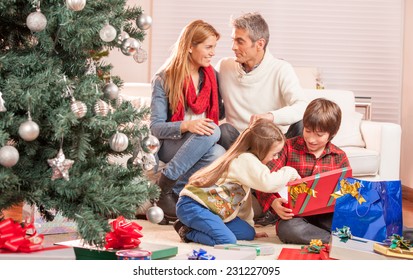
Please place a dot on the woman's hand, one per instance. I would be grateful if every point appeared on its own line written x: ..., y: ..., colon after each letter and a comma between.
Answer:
x: 283, y: 212
x: 200, y: 126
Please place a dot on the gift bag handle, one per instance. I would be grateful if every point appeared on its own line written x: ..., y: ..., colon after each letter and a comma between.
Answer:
x: 357, y: 209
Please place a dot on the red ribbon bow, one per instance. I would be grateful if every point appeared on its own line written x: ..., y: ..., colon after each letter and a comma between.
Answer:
x: 14, y: 237
x: 124, y: 235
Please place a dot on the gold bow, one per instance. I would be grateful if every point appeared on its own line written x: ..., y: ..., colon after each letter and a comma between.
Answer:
x: 347, y: 188
x: 300, y: 188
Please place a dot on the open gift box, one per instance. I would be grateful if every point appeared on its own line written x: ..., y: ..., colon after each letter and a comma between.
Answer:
x: 313, y: 195
x: 354, y: 249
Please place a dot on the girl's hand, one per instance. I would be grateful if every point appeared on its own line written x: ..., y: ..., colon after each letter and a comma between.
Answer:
x: 283, y: 212
x: 261, y: 234
x: 200, y: 126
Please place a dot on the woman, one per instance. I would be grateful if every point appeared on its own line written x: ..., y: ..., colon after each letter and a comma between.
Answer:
x: 185, y: 110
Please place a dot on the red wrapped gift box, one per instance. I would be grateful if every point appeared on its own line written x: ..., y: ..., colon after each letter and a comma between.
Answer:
x: 312, y: 195
x: 302, y: 254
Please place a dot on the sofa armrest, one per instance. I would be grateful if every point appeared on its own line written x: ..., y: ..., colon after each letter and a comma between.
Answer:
x: 385, y: 138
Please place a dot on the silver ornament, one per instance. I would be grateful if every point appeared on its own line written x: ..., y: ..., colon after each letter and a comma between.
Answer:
x: 140, y: 56
x: 129, y: 46
x: 144, y: 21
x: 78, y: 108
x: 149, y: 162
x: 76, y: 5
x: 36, y: 21
x: 32, y: 41
x: 150, y: 144
x: 122, y: 36
x: 9, y: 156
x: 119, y: 101
x: 101, y: 108
x: 107, y: 33
x: 119, y: 142
x: 90, y: 67
x: 154, y: 214
x: 29, y: 130
x: 137, y: 156
x: 111, y: 91
x: 2, y: 106
x: 60, y: 166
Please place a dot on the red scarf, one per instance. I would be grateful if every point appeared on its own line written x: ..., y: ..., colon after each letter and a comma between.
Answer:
x: 206, y: 101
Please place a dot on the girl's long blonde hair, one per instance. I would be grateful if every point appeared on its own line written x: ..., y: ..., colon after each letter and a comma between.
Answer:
x: 177, y: 67
x: 257, y: 139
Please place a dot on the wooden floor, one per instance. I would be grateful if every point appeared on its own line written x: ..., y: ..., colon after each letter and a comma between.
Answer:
x: 407, y: 213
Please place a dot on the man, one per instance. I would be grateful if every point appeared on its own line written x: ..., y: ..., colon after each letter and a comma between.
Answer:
x: 254, y: 84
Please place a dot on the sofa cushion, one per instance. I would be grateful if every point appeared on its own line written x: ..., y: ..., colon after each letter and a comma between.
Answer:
x: 364, y: 162
x: 349, y: 134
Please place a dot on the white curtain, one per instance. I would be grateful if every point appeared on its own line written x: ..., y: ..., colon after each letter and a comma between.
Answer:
x: 355, y: 44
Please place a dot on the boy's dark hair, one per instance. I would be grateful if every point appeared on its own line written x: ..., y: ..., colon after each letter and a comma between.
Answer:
x: 322, y: 115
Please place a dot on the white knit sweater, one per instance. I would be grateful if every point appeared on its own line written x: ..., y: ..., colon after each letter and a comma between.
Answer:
x: 272, y: 87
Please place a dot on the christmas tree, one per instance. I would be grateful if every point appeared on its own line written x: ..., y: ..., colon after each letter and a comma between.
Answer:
x: 61, y: 115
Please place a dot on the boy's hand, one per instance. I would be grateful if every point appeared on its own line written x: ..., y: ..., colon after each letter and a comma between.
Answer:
x: 283, y: 212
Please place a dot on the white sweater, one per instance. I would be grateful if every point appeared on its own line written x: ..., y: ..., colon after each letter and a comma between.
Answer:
x: 272, y: 87
x: 245, y: 172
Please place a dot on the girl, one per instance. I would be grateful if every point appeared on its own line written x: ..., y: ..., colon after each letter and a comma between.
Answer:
x: 215, y: 207
x: 185, y: 111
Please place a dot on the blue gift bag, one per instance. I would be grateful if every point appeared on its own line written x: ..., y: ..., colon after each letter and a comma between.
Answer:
x: 372, y: 210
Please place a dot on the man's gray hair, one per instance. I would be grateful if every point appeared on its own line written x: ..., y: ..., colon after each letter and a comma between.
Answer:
x: 255, y: 24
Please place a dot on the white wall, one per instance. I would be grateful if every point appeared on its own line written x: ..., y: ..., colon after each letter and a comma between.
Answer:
x: 407, y: 99
x: 125, y: 66
x: 130, y: 71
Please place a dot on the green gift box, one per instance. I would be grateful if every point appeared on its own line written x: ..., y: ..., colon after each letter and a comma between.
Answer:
x: 259, y: 249
x: 86, y: 252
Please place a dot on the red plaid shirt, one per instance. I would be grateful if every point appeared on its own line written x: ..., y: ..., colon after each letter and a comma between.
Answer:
x: 296, y: 154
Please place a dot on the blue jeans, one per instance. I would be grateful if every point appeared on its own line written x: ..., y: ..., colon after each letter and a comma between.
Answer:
x: 208, y: 228
x: 185, y: 156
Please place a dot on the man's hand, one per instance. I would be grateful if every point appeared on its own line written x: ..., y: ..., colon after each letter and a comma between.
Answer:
x: 200, y: 126
x: 283, y: 212
x: 267, y: 116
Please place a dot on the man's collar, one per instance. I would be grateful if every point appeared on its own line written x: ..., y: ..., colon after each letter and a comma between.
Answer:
x: 254, y: 67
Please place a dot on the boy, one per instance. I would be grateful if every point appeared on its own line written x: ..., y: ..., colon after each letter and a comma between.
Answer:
x: 309, y: 154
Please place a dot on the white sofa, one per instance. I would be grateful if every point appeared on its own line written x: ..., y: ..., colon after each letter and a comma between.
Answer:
x: 373, y: 147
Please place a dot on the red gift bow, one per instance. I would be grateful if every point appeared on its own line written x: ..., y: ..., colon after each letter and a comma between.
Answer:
x: 124, y: 235
x: 14, y: 237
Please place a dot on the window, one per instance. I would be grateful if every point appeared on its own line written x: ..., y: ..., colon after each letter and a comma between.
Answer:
x: 356, y: 45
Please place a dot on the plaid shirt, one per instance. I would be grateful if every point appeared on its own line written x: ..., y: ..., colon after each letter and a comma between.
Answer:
x: 296, y: 154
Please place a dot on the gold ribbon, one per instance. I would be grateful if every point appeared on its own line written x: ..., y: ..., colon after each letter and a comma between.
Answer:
x: 316, y: 242
x: 299, y: 189
x: 347, y: 188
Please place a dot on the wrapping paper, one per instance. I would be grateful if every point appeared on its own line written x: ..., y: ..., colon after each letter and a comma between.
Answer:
x: 313, y: 195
